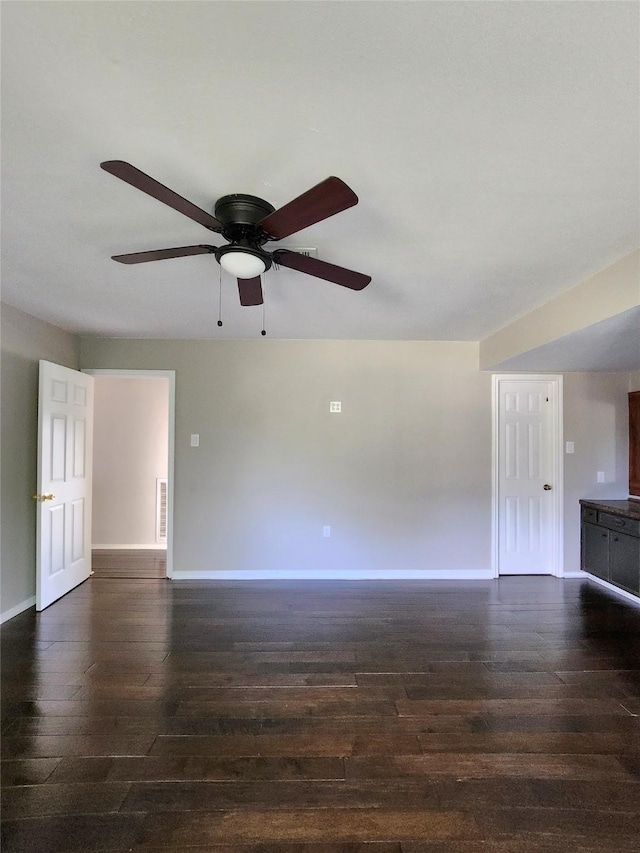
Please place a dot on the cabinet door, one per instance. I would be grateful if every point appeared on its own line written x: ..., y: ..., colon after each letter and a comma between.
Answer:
x: 595, y: 550
x: 624, y: 559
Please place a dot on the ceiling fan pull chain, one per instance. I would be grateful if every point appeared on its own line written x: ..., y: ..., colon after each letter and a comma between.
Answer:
x: 219, y: 296
x: 263, y: 332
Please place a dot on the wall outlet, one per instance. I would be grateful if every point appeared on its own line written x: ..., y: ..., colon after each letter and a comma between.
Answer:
x: 195, y: 440
x: 569, y: 447
x: 335, y: 407
x: 326, y: 531
x: 600, y: 477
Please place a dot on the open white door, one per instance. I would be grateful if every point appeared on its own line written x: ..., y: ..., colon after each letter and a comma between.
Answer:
x: 65, y: 438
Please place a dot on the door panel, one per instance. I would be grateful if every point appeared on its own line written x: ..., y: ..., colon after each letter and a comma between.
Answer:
x: 526, y: 511
x: 55, y: 539
x: 65, y: 430
x: 624, y: 557
x: 79, y: 430
x: 595, y: 550
x: 77, y: 530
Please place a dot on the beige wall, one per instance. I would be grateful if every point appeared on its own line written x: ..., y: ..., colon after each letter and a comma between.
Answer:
x: 596, y: 420
x: 403, y: 475
x: 130, y: 447
x: 25, y: 340
x: 634, y: 381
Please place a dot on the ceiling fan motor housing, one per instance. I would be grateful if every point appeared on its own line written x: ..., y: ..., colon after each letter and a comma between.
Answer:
x: 240, y: 215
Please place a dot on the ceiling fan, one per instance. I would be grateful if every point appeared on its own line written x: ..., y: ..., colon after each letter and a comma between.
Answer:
x: 247, y: 223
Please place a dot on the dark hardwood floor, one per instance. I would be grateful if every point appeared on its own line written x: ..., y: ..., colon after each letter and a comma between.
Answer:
x: 129, y: 563
x: 440, y: 717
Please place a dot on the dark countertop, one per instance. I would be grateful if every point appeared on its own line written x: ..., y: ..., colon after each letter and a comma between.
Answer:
x: 630, y: 509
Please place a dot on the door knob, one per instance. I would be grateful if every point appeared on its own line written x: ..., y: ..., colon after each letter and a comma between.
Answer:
x: 547, y: 487
x: 42, y: 498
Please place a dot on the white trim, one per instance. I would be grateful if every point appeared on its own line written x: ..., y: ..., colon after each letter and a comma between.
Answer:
x: 558, y: 439
x: 17, y: 609
x: 336, y: 574
x: 495, y: 459
x: 171, y: 376
x: 611, y: 587
x: 153, y: 547
x: 557, y: 557
x: 573, y: 574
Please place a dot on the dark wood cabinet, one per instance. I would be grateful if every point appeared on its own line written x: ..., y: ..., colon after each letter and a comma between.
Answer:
x: 610, y: 542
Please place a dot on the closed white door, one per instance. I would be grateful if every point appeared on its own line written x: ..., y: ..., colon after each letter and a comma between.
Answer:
x: 65, y: 437
x: 526, y: 491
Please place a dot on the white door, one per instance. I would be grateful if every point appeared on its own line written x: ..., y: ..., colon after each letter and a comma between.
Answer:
x: 65, y: 437
x: 527, y: 476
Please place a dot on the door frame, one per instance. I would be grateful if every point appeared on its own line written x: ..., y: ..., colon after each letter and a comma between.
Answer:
x: 171, y: 376
x: 557, y: 547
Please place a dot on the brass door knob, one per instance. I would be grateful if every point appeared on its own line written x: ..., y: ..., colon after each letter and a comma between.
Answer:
x: 547, y: 487
x: 42, y: 498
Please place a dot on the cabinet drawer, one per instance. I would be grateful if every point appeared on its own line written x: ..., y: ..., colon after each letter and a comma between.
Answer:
x: 619, y: 522
x: 589, y: 514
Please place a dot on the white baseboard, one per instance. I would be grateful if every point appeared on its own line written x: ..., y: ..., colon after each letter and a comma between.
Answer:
x: 19, y: 608
x: 332, y: 575
x: 154, y: 547
x: 622, y: 592
x: 577, y: 574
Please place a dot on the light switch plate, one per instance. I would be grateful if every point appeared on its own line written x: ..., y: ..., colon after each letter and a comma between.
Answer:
x: 335, y: 406
x: 195, y: 439
x: 600, y: 476
x: 569, y: 447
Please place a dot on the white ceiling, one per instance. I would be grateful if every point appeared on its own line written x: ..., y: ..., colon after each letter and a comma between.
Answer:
x: 493, y: 145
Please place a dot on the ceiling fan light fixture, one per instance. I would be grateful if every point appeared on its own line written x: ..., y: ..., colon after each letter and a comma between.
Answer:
x: 241, y: 262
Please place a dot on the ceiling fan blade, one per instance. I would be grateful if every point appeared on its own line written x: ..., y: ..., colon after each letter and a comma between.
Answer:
x: 127, y: 172
x: 161, y: 254
x: 320, y: 202
x: 321, y: 269
x: 250, y: 290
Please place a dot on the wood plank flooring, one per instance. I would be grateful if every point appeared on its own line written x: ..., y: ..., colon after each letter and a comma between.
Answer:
x: 129, y: 563
x: 323, y: 717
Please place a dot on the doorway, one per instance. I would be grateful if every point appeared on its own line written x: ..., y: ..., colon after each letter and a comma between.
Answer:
x: 527, y: 475
x: 133, y: 473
